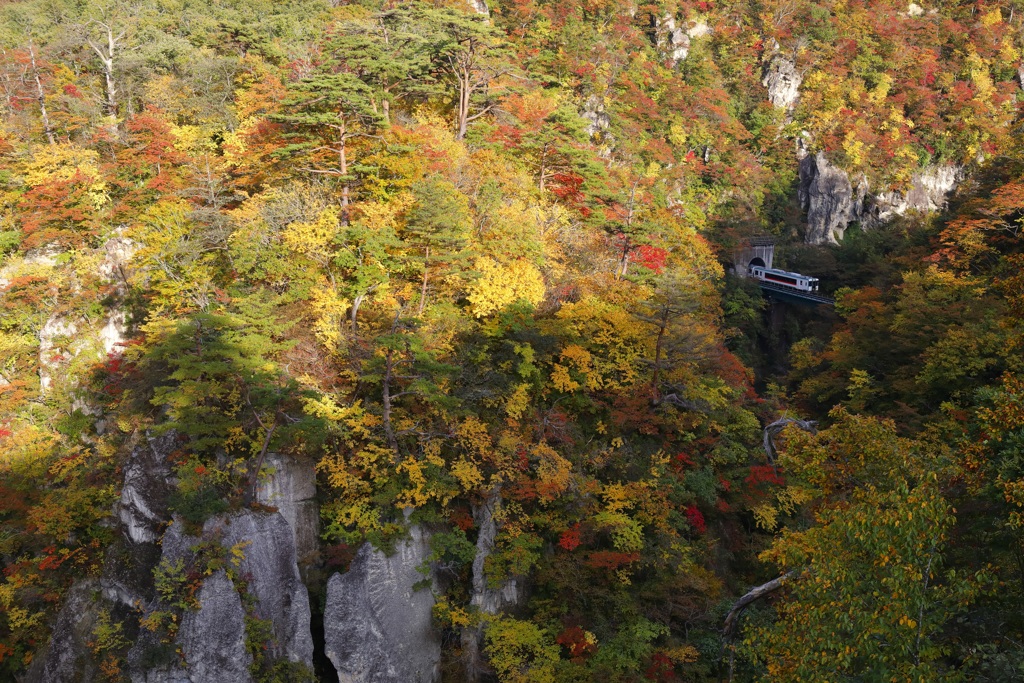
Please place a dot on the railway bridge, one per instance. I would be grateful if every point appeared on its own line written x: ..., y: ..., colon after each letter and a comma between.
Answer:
x: 756, y: 260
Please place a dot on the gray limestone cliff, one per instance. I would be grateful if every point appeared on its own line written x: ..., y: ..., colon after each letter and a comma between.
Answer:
x: 212, y: 639
x: 594, y: 112
x: 378, y: 620
x: 271, y: 575
x: 674, y: 41
x: 485, y: 597
x: 291, y: 488
x: 783, y: 81
x: 67, y: 657
x: 832, y: 201
x: 127, y: 576
x: 826, y: 194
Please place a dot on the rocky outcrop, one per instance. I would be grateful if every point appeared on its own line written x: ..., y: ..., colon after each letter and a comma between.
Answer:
x: 929, y: 190
x: 672, y: 41
x: 61, y: 338
x: 832, y: 202
x: 67, y: 657
x: 212, y: 638
x: 377, y: 620
x: 208, y: 638
x: 127, y: 577
x: 142, y: 508
x: 291, y: 488
x: 490, y: 600
x: 826, y: 194
x: 480, y: 7
x: 211, y: 641
x: 783, y: 81
x: 594, y: 112
x: 55, y: 348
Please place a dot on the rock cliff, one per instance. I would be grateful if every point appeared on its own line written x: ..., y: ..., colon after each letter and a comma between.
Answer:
x: 263, y: 548
x: 378, y: 620
x: 783, y: 81
x: 291, y: 488
x: 832, y: 201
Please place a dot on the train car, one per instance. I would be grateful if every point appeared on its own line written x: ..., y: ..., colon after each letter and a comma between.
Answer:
x: 803, y: 283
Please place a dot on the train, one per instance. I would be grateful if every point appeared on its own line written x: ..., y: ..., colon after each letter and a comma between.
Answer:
x: 803, y: 283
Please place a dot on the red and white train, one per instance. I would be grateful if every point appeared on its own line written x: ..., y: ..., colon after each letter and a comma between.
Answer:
x: 797, y: 281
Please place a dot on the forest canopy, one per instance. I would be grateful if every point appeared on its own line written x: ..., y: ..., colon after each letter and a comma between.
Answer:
x: 472, y: 263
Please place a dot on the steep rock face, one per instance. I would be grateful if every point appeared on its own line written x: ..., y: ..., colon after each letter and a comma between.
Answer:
x: 594, y: 112
x: 117, y: 252
x: 488, y: 600
x: 832, y: 202
x: 209, y: 637
x: 62, y: 338
x: 55, y: 348
x: 480, y: 7
x: 826, y: 194
x: 377, y: 624
x: 783, y: 82
x: 674, y: 41
x: 67, y: 657
x: 143, y: 505
x: 213, y: 637
x: 292, y: 490
x: 270, y: 567
x: 212, y: 640
x: 127, y: 573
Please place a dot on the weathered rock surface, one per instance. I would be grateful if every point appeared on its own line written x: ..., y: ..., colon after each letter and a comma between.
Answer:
x: 672, y: 41
x: 270, y: 567
x: 143, y: 505
x: 378, y: 625
x: 832, y: 202
x: 67, y: 657
x: 57, y: 345
x: 490, y: 600
x: 480, y: 7
x: 212, y: 639
x: 826, y: 194
x: 783, y: 82
x: 929, y: 191
x: 292, y: 490
x: 127, y: 573
x: 594, y: 112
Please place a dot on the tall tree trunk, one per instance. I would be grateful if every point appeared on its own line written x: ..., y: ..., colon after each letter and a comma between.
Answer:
x: 107, y: 56
x: 343, y: 167
x: 423, y: 288
x: 40, y: 95
x: 464, y: 92
x: 389, y: 369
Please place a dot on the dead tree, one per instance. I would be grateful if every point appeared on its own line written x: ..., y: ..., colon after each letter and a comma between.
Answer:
x: 753, y: 595
x: 773, y: 430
